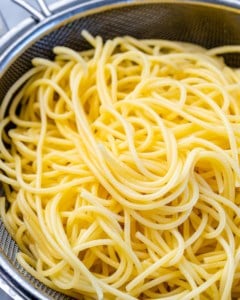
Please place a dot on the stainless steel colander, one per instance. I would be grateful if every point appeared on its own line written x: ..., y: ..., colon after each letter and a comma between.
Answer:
x: 208, y: 23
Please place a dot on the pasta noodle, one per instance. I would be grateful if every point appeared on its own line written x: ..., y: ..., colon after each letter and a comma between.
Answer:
x: 120, y: 166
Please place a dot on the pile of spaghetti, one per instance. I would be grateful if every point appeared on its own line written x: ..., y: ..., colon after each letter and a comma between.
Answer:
x: 120, y: 166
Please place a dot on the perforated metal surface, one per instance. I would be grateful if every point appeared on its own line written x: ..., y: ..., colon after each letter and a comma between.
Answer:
x: 192, y: 22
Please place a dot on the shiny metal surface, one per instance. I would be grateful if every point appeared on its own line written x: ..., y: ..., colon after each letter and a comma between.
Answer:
x: 3, y: 26
x: 28, y: 23
x: 38, y: 16
x: 44, y: 8
x: 208, y: 23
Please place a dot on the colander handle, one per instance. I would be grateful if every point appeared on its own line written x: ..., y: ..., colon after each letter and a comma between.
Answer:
x: 37, y: 15
x: 3, y: 25
x: 9, y: 37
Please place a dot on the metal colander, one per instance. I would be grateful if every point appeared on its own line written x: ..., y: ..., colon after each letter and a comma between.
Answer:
x: 208, y: 23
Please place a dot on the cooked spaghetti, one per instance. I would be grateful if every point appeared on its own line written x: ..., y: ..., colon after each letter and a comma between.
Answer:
x: 120, y: 167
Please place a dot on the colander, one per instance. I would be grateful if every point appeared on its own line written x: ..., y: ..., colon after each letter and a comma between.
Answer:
x: 208, y: 23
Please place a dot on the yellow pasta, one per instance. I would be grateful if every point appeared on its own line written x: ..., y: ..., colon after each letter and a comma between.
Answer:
x: 120, y: 166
